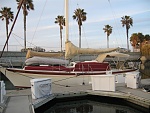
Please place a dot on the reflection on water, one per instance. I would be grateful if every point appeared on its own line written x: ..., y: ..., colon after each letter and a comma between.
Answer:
x: 90, y: 107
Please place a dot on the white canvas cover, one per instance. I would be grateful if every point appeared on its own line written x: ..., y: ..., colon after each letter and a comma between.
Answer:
x: 46, y: 60
x: 102, y: 57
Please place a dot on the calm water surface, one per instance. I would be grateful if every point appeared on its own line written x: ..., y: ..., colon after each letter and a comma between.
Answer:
x: 90, y: 107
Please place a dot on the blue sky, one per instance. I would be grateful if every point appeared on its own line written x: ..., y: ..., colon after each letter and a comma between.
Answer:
x: 43, y: 32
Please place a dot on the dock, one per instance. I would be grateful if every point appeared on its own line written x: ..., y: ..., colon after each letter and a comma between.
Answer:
x: 20, y: 101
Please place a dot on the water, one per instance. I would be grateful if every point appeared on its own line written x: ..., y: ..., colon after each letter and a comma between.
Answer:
x: 90, y: 104
x: 87, y: 106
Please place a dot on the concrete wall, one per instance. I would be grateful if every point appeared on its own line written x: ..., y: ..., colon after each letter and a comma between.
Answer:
x: 13, y: 58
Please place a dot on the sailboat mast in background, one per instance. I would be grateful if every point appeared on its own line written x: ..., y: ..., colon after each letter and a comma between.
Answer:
x: 67, y: 20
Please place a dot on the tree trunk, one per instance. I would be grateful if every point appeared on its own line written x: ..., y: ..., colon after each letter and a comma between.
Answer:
x: 79, y: 36
x: 60, y: 38
x: 127, y: 31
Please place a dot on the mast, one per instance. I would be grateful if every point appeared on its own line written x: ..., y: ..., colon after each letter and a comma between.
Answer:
x: 67, y: 20
x: 12, y: 27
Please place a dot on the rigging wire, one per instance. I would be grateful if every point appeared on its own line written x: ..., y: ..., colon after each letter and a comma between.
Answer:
x: 83, y: 32
x: 28, y: 42
x: 39, y: 21
x: 84, y: 35
x: 81, y: 39
x: 114, y: 15
x: 23, y: 39
x: 73, y: 30
x: 17, y: 41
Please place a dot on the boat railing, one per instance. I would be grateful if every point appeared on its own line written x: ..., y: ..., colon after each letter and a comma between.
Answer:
x: 125, y: 65
x: 108, y: 68
x: 6, y: 62
x: 91, y: 67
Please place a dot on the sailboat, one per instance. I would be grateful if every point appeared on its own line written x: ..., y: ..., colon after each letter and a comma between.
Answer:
x: 61, y: 72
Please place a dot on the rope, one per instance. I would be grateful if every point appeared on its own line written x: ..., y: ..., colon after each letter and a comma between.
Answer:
x: 65, y: 79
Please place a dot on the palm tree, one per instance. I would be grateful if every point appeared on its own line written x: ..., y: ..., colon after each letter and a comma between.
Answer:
x: 134, y: 40
x: 27, y: 5
x: 127, y: 22
x: 141, y: 39
x: 137, y: 40
x: 108, y: 31
x: 60, y: 20
x: 147, y: 37
x: 79, y: 16
x: 7, y: 15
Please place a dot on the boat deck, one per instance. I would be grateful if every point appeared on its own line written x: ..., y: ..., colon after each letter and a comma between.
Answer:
x: 20, y: 101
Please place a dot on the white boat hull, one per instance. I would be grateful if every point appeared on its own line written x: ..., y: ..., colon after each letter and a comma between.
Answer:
x: 21, y: 78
